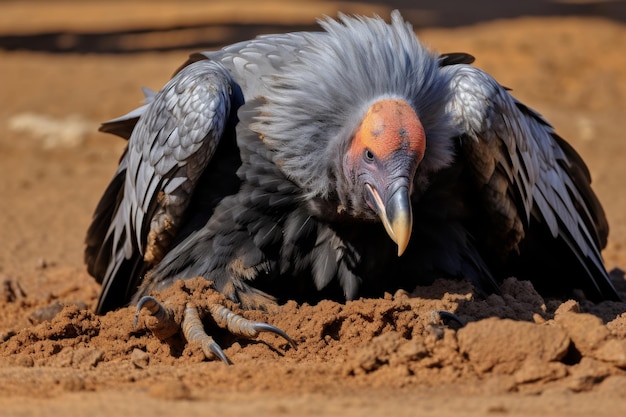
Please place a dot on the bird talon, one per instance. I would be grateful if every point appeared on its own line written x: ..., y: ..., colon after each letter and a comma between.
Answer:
x: 265, y: 327
x: 445, y: 317
x: 241, y: 326
x: 165, y: 325
x: 216, y: 350
x: 193, y: 330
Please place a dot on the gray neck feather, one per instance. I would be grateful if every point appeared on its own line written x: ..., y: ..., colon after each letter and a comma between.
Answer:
x: 314, y: 106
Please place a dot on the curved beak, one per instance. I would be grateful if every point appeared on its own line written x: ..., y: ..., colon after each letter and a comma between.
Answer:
x: 396, y: 214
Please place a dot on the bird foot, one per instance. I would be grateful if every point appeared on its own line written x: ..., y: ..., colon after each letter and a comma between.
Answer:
x: 441, y: 320
x: 166, y: 325
x: 445, y: 317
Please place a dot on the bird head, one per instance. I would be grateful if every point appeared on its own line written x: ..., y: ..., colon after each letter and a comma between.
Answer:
x: 382, y: 159
x: 341, y: 122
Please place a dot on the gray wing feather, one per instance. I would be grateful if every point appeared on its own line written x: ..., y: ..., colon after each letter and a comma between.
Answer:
x: 507, y: 139
x: 249, y: 62
x: 487, y: 114
x: 183, y: 125
x: 172, y: 139
x: 172, y: 142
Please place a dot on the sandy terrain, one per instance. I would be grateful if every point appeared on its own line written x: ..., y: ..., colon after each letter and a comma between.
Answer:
x: 519, y: 354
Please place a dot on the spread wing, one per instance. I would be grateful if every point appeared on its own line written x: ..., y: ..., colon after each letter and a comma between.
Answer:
x: 174, y: 139
x: 527, y: 177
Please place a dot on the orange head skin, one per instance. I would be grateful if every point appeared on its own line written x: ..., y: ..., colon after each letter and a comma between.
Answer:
x: 382, y: 158
x: 388, y: 126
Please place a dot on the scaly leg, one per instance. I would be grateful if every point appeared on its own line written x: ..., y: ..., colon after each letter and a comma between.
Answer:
x: 193, y: 330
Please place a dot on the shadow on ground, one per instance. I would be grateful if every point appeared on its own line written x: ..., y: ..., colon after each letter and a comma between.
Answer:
x: 423, y: 14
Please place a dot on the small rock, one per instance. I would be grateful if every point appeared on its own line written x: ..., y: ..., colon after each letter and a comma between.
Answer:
x: 505, y: 344
x: 45, y: 313
x: 586, y: 331
x: 569, y: 306
x: 140, y: 359
x: 612, y: 351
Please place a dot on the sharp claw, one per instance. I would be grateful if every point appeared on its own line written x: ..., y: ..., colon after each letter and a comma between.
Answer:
x: 193, y: 330
x: 446, y: 315
x: 216, y: 350
x: 165, y: 326
x: 151, y: 304
x: 239, y: 325
x: 264, y: 327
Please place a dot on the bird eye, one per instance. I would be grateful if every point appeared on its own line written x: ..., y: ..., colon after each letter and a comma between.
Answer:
x: 368, y: 155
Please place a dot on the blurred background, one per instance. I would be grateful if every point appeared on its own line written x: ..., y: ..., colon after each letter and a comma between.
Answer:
x: 120, y: 26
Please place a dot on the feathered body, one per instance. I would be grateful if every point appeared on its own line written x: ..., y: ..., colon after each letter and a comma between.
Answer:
x: 297, y: 166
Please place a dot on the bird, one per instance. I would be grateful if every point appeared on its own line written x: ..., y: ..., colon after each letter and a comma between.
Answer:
x: 337, y: 164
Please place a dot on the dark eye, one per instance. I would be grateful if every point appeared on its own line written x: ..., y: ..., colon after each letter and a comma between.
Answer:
x: 368, y: 155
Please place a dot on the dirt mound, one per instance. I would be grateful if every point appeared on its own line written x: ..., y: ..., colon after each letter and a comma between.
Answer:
x: 403, y: 339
